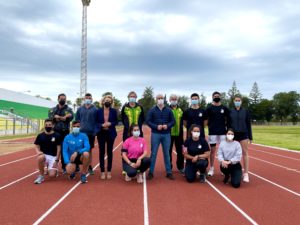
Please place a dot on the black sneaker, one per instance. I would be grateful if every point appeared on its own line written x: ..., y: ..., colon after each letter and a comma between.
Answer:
x: 91, y: 171
x: 72, y: 176
x: 170, y: 176
x: 226, y: 178
x: 150, y: 176
x: 202, y: 178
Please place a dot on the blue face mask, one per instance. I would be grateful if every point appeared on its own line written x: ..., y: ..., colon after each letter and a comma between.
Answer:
x: 237, y: 104
x: 133, y: 100
x: 87, y: 101
x: 195, y: 101
x: 76, y: 130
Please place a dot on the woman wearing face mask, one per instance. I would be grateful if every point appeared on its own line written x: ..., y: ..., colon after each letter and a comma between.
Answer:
x: 229, y: 156
x: 240, y: 122
x: 196, y: 151
x: 135, y: 158
x: 108, y: 120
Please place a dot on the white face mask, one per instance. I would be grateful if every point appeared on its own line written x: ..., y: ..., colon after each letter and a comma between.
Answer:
x: 230, y: 137
x: 173, y: 102
x: 136, y: 133
x: 195, y: 134
x: 160, y: 102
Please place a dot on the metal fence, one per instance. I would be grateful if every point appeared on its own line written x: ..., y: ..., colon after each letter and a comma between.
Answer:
x: 14, y: 126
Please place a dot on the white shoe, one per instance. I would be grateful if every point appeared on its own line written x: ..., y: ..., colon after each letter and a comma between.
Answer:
x: 127, y: 178
x: 246, y: 178
x: 40, y: 179
x: 140, y: 178
x: 211, y: 172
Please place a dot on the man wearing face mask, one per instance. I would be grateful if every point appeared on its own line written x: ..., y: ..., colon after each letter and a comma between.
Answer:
x: 48, y: 149
x: 76, y: 149
x: 177, y: 133
x: 61, y: 115
x: 195, y: 115
x: 160, y: 119
x: 132, y: 113
x: 87, y: 116
x: 240, y: 122
x: 217, y: 126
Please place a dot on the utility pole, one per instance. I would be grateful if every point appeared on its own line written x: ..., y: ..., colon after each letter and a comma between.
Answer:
x: 83, y: 74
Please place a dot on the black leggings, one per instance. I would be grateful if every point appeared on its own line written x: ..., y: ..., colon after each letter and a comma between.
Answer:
x: 178, y: 145
x: 131, y: 172
x: 235, y: 172
x: 104, y: 137
x: 192, y: 168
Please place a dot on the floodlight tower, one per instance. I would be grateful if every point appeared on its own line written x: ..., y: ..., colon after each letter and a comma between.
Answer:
x: 83, y: 74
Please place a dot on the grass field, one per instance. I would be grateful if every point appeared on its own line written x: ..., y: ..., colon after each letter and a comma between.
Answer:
x: 278, y: 136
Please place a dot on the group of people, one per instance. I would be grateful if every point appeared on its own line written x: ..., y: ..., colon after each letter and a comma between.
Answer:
x: 228, y: 128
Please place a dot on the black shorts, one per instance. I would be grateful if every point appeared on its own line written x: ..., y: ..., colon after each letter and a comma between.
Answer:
x: 91, y: 140
x: 77, y: 160
x: 240, y: 136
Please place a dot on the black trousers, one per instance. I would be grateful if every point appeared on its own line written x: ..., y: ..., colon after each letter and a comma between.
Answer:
x: 104, y: 138
x: 178, y: 146
x: 192, y: 168
x: 132, y: 172
x: 235, y: 172
x: 63, y: 134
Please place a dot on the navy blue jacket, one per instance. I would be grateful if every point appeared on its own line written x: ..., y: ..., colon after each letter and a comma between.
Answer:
x: 112, y: 118
x: 157, y: 117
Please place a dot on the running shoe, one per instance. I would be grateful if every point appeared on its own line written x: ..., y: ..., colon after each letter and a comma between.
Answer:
x: 40, y: 179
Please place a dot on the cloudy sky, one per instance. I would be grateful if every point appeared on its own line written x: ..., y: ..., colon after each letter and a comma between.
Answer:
x: 175, y: 46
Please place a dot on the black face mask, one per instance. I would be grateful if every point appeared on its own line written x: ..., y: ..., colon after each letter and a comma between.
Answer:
x: 62, y: 102
x: 107, y: 104
x: 48, y: 129
x: 217, y: 100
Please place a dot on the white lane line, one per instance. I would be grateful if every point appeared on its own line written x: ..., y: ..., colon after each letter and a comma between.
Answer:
x: 146, y: 211
x: 275, y: 184
x: 270, y: 153
x: 232, y: 204
x: 64, y: 196
x: 4, y: 164
x: 16, y: 181
x: 277, y: 148
x: 274, y: 164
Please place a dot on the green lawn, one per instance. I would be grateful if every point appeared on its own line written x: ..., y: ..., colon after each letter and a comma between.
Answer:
x: 278, y: 136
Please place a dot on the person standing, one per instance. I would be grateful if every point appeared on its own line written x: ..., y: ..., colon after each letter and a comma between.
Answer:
x: 108, y: 119
x: 160, y: 119
x: 87, y: 116
x: 48, y: 149
x: 217, y: 125
x: 195, y: 115
x: 240, y: 122
x: 177, y: 133
x: 229, y: 156
x: 132, y: 113
x: 61, y: 115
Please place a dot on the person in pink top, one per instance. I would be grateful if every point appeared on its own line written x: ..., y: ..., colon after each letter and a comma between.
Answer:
x: 135, y: 158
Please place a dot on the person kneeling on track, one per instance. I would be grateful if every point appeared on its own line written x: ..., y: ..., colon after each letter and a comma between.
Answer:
x: 76, y: 149
x: 48, y: 151
x: 196, y: 152
x: 134, y: 155
x: 229, y: 156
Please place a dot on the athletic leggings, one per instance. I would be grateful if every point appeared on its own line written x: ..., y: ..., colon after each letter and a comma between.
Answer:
x: 192, y: 168
x: 132, y: 172
x: 235, y: 172
x: 105, y: 138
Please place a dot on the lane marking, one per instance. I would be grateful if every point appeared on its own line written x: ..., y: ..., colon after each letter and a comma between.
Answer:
x: 65, y: 195
x: 232, y: 204
x: 146, y: 211
x: 274, y: 164
x: 277, y: 148
x: 16, y: 181
x: 4, y: 164
x: 252, y: 149
x: 275, y: 184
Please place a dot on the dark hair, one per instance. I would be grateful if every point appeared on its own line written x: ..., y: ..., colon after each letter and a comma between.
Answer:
x: 131, y: 128
x: 195, y: 94
x: 230, y: 129
x: 75, y: 122
x: 191, y: 128
x: 62, y: 94
x: 88, y: 95
x: 238, y: 96
x: 216, y: 93
x: 48, y: 120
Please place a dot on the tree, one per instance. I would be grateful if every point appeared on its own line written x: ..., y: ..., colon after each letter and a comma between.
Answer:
x: 255, y: 95
x: 183, y: 102
x: 202, y: 100
x: 147, y: 101
x: 265, y: 110
x: 231, y: 93
x: 117, y: 102
x: 78, y: 101
x: 225, y: 100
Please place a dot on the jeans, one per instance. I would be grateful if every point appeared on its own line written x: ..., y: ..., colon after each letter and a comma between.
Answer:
x: 165, y: 141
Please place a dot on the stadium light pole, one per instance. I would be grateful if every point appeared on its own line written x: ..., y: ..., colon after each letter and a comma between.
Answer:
x: 83, y: 73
